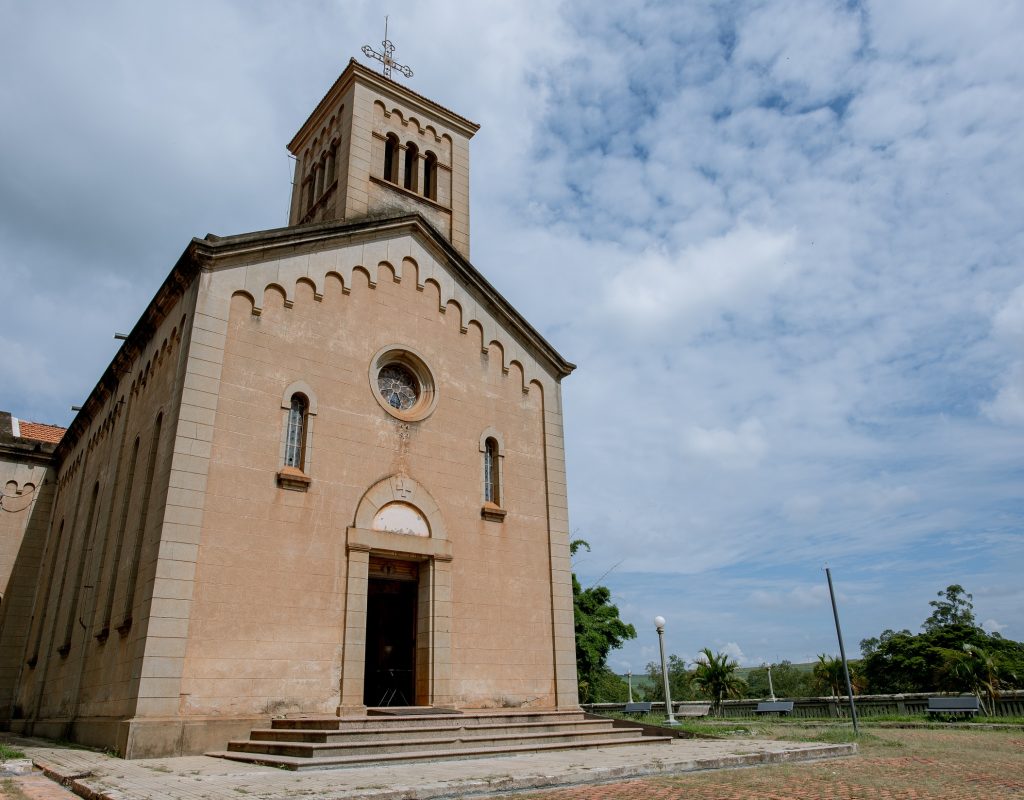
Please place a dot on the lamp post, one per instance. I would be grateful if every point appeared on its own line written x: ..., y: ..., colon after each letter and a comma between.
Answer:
x: 629, y: 683
x: 771, y: 689
x: 659, y: 623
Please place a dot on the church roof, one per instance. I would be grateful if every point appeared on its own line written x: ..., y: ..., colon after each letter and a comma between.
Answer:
x: 40, y: 431
x: 32, y: 440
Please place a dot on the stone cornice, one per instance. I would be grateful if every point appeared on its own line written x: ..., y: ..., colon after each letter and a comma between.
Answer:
x: 267, y: 244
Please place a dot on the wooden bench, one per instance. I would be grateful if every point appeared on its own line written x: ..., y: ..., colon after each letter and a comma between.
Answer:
x: 965, y: 704
x: 637, y: 708
x: 781, y: 707
x: 693, y: 710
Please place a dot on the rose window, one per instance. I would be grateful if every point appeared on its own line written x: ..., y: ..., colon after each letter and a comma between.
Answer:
x: 398, y: 386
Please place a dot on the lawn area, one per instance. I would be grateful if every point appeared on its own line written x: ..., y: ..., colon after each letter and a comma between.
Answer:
x: 893, y: 764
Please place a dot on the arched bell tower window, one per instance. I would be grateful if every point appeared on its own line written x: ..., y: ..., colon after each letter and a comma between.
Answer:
x: 295, y: 440
x: 411, y: 162
x: 430, y: 176
x: 391, y: 158
x: 492, y: 449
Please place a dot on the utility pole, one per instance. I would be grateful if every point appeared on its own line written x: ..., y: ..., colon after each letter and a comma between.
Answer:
x: 842, y: 652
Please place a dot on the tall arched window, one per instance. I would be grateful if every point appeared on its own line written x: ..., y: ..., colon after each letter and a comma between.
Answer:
x: 492, y: 477
x: 430, y: 176
x: 310, y: 188
x: 294, y: 447
x: 320, y: 172
x: 332, y: 157
x: 412, y: 154
x: 391, y: 158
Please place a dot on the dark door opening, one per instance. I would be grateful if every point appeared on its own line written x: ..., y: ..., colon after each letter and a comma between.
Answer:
x: 390, y: 674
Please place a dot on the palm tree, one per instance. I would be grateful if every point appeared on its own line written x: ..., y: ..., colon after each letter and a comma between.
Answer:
x: 828, y: 675
x: 983, y: 676
x: 716, y: 675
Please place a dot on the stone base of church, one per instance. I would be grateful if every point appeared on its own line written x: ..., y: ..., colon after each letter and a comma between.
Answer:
x: 150, y: 737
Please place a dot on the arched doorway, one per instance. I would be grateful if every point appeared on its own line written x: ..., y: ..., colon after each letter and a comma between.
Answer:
x: 397, y: 642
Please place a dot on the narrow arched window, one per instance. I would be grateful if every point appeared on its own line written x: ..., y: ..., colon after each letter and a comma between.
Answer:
x: 430, y: 176
x: 391, y: 158
x: 310, y: 188
x: 492, y: 487
x: 332, y: 157
x: 320, y: 172
x: 294, y: 446
x: 412, y: 154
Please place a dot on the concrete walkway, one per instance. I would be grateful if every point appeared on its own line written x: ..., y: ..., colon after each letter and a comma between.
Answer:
x: 100, y: 777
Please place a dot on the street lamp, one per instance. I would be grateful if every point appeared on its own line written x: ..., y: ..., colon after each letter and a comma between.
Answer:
x: 659, y: 623
x: 629, y: 681
x: 771, y: 689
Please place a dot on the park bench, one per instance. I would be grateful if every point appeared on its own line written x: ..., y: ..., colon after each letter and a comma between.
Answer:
x: 693, y: 710
x: 965, y: 704
x: 637, y: 708
x: 781, y: 707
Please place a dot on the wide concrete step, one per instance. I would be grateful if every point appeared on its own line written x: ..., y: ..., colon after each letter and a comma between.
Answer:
x: 334, y: 762
x: 392, y: 745
x: 439, y: 731
x: 385, y: 723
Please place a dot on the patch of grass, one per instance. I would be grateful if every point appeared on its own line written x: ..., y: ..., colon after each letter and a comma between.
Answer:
x: 7, y: 752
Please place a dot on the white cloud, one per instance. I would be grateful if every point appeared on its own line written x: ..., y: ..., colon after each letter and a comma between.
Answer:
x: 992, y: 626
x: 1008, y: 404
x: 742, y: 448
x: 732, y: 273
x: 798, y: 597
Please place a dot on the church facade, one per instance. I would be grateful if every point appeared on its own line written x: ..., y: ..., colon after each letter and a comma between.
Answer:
x: 324, y: 473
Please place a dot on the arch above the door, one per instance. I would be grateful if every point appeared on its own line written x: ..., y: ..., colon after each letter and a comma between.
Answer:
x: 399, y: 489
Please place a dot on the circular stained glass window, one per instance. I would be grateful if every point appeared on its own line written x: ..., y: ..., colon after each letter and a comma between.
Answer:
x: 398, y: 386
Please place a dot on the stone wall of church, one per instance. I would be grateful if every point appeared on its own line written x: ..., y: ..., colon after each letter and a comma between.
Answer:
x: 92, y: 597
x: 268, y: 610
x: 27, y: 482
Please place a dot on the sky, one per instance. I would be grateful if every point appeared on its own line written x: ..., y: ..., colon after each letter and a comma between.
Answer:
x: 782, y: 240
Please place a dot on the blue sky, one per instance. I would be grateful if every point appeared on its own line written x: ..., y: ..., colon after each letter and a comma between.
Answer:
x: 781, y: 239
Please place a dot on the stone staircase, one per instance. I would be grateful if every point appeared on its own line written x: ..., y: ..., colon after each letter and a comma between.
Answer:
x: 300, y: 743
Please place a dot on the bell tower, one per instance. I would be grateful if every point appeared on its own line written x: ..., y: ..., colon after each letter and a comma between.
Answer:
x: 373, y: 148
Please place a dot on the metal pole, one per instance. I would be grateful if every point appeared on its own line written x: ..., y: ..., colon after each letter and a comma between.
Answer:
x: 629, y: 678
x: 771, y: 689
x: 842, y: 652
x: 670, y: 720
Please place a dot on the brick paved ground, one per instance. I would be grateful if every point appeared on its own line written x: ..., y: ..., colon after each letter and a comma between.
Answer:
x: 892, y: 765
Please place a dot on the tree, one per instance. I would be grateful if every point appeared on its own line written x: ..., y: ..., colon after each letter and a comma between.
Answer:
x: 598, y: 631
x: 939, y: 657
x: 953, y: 608
x: 981, y: 673
x: 680, y: 680
x: 829, y: 676
x: 787, y: 681
x: 716, y: 676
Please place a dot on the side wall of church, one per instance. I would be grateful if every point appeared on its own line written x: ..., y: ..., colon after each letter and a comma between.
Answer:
x: 268, y: 608
x: 27, y: 483
x: 92, y: 601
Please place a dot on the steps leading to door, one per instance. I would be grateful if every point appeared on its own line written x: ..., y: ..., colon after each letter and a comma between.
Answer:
x: 330, y: 742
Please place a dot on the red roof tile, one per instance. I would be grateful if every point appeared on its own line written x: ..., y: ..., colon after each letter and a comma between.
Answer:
x: 40, y: 431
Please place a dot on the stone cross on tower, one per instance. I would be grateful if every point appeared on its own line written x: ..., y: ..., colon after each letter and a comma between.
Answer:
x: 385, y: 57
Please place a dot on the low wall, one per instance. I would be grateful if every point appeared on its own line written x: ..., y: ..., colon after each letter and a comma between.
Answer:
x: 1010, y: 704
